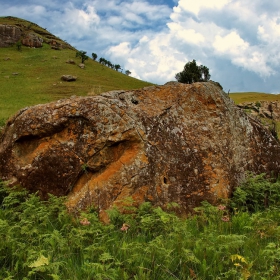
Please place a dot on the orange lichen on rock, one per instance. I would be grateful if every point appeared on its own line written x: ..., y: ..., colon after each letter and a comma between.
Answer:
x: 172, y: 143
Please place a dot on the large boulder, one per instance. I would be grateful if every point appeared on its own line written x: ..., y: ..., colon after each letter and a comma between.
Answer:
x: 9, y: 35
x: 172, y: 143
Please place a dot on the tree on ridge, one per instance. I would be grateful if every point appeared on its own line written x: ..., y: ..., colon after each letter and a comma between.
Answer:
x: 193, y: 73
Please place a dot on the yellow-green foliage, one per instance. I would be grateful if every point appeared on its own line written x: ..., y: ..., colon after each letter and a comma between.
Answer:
x: 41, y: 240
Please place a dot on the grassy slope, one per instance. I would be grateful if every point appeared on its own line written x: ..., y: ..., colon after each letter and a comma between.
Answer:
x: 39, y: 72
x: 240, y: 97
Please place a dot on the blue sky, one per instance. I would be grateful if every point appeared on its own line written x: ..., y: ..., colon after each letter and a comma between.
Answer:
x: 238, y: 40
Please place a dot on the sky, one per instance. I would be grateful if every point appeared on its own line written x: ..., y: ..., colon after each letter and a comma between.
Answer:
x: 238, y: 40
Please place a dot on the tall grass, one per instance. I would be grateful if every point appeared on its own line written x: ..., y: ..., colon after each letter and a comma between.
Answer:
x: 41, y: 240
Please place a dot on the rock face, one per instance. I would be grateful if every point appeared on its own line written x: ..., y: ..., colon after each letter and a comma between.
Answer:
x: 172, y: 143
x: 32, y: 40
x: 9, y: 35
x: 263, y: 109
x: 55, y: 45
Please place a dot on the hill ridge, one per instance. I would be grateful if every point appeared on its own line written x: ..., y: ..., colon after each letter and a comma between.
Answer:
x: 33, y: 76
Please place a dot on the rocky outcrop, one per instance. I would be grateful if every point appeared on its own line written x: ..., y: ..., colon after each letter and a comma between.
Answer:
x: 263, y: 109
x: 55, y: 45
x: 9, y: 35
x: 29, y: 34
x: 172, y: 143
x: 32, y: 40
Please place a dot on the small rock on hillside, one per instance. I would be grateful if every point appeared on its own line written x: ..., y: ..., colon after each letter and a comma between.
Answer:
x: 68, y: 78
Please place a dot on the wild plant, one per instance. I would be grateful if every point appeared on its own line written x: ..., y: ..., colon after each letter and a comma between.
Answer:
x: 41, y: 240
x: 256, y: 193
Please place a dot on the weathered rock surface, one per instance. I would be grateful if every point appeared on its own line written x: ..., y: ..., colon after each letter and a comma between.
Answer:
x: 70, y: 61
x: 9, y: 35
x: 68, y: 78
x: 32, y: 40
x: 55, y: 45
x: 30, y: 34
x: 263, y: 109
x: 173, y: 143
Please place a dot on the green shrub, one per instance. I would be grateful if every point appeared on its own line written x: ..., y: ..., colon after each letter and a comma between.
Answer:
x: 256, y: 193
x: 41, y: 240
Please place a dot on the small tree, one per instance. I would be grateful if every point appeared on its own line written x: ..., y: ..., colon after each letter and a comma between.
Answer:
x: 193, y: 73
x: 102, y: 60
x: 127, y: 72
x: 18, y: 44
x: 94, y: 56
x: 82, y: 55
x: 109, y: 64
x: 117, y: 67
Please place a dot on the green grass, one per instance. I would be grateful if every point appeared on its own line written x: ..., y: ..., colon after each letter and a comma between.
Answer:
x: 240, y: 240
x: 39, y: 72
x: 38, y: 79
x: 240, y: 97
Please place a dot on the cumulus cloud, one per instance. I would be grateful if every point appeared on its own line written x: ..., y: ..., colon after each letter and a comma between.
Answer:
x: 77, y: 22
x: 197, y: 5
x: 249, y: 48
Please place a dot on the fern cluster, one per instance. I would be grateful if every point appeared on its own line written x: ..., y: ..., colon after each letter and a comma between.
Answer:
x: 41, y: 240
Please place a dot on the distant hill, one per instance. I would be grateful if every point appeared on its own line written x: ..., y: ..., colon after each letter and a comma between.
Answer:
x: 33, y: 75
x: 242, y: 97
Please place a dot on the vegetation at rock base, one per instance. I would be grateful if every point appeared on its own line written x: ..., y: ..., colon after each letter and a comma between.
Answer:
x: 239, y: 239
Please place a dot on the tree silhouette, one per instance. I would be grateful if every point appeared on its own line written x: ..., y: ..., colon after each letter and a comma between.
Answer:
x: 117, y: 67
x: 94, y: 56
x: 193, y: 73
x: 82, y: 55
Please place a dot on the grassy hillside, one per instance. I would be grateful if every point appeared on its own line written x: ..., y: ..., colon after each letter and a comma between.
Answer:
x: 240, y: 97
x: 33, y: 76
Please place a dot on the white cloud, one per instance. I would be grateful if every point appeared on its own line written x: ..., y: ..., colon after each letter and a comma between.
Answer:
x: 231, y: 44
x: 197, y: 5
x: 151, y: 59
x: 188, y: 35
x: 79, y: 21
